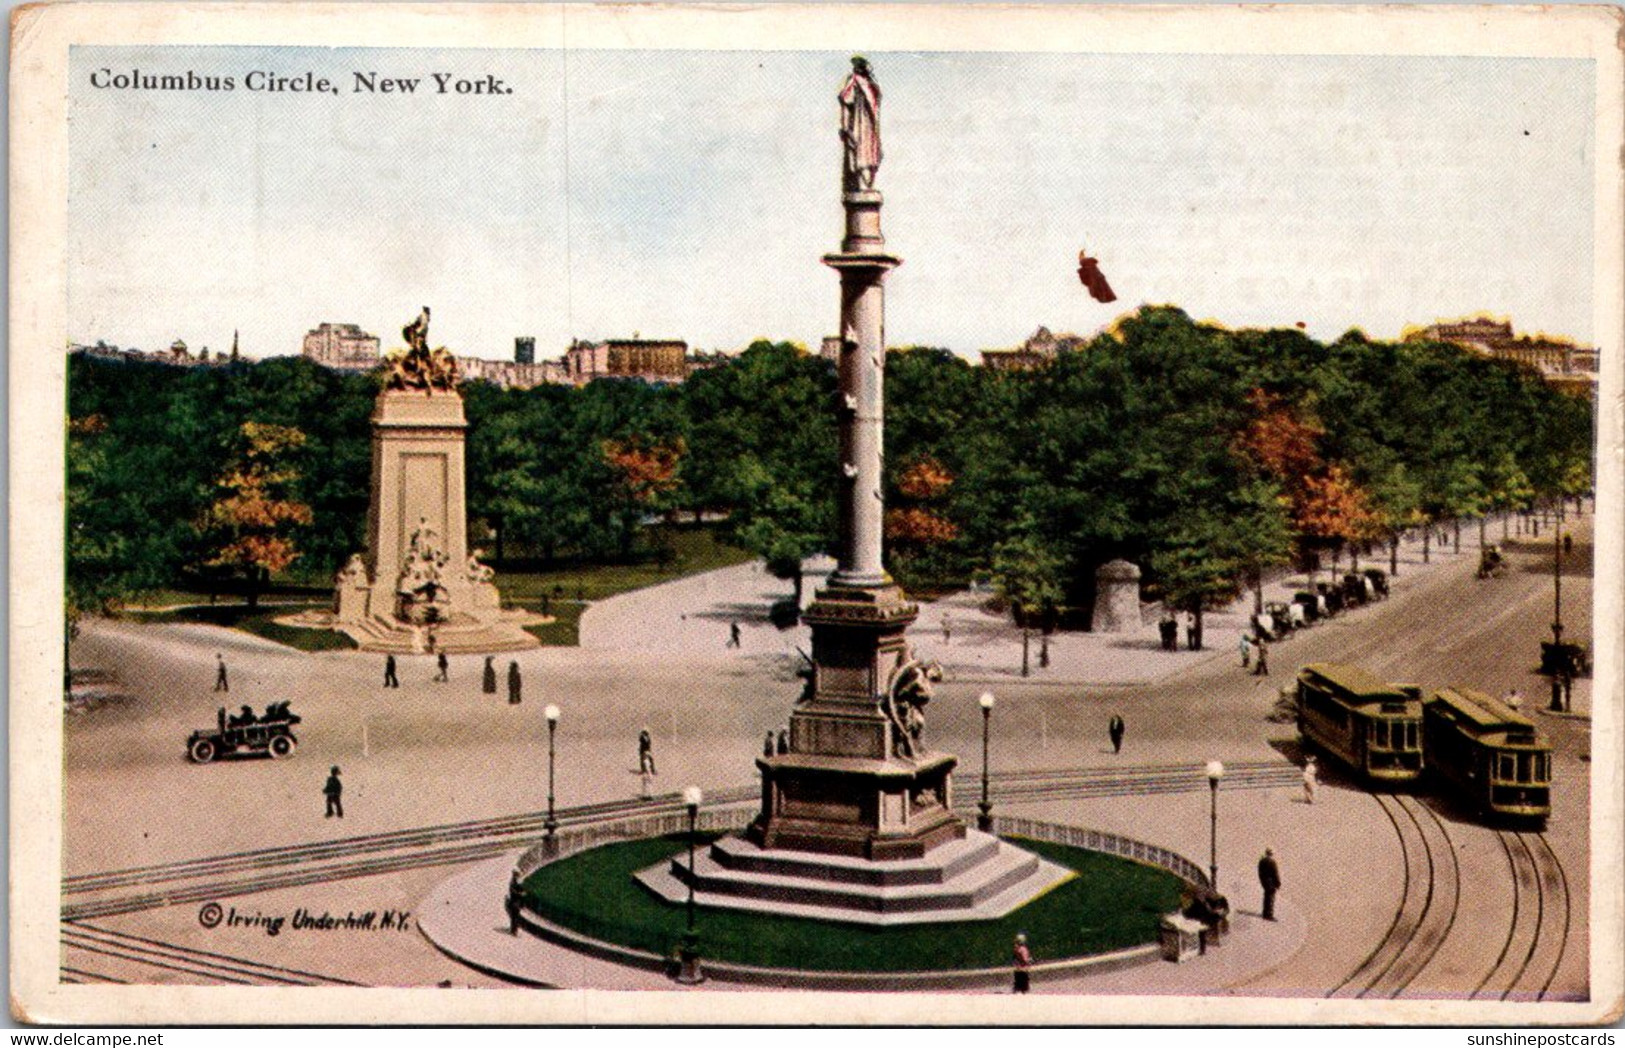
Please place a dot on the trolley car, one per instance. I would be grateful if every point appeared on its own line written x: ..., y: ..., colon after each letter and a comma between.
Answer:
x: 1488, y: 754
x: 1373, y: 727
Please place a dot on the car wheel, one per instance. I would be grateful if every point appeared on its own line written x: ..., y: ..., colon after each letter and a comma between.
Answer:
x: 201, y: 751
x: 282, y: 746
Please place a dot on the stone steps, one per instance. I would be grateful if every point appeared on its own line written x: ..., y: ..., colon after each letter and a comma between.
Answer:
x: 978, y: 878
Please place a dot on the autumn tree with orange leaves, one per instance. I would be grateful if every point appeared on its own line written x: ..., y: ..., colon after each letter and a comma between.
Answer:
x: 645, y: 473
x: 246, y: 529
x: 916, y: 527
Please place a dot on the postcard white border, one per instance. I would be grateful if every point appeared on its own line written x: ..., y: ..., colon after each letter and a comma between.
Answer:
x: 41, y: 37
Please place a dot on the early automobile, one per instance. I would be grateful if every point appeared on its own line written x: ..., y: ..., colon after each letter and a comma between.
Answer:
x: 244, y: 734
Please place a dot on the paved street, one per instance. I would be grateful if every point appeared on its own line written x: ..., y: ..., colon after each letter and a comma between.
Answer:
x: 436, y: 753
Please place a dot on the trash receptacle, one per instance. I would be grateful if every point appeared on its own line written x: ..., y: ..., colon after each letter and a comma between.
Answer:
x: 1180, y: 937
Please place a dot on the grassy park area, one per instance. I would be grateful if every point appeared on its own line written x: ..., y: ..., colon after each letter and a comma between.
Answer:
x: 562, y: 592
x: 1111, y: 904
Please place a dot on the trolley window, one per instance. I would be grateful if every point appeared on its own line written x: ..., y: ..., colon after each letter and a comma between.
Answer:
x: 1506, y: 767
x: 1411, y: 732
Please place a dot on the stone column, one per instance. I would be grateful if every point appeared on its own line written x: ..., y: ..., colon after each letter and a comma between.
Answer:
x: 863, y: 264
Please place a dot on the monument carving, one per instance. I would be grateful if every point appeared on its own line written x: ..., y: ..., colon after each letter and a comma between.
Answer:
x: 417, y: 576
x: 860, y: 126
x: 419, y: 367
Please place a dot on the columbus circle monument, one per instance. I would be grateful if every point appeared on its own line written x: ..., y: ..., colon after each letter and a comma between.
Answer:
x: 418, y: 587
x: 855, y: 835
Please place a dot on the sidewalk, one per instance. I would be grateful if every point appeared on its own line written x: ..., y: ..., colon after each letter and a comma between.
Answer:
x: 692, y: 616
x: 464, y: 918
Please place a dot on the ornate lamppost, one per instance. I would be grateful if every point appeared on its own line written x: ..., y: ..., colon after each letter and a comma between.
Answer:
x: 551, y: 826
x: 984, y: 820
x: 688, y: 954
x: 1215, y: 772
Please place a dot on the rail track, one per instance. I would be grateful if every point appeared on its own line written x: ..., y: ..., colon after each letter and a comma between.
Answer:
x: 1430, y: 897
x: 91, y: 954
x: 267, y: 869
x: 1532, y: 952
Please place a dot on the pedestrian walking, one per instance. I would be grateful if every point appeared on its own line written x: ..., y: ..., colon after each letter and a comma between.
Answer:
x: 1269, y: 878
x: 1115, y: 729
x: 733, y: 634
x: 390, y: 680
x: 646, y: 753
x: 488, y: 681
x: 1023, y: 960
x: 947, y: 630
x: 511, y: 903
x: 1168, y: 628
x: 220, y: 682
x: 1568, y: 543
x: 514, y: 684
x: 1246, y: 650
x: 442, y: 665
x: 784, y: 741
x: 767, y: 745
x: 334, y: 792
x: 1263, y: 667
x: 1311, y: 779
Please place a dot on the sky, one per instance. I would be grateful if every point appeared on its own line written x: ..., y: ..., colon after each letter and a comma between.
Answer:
x: 683, y: 194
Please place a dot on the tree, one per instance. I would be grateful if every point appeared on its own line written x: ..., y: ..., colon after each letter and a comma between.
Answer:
x: 247, y: 526
x: 645, y: 475
x: 915, y: 527
x: 1027, y: 575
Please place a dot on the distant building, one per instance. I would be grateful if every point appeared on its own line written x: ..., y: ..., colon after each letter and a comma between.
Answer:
x: 1040, y: 348
x: 1564, y: 365
x: 177, y: 355
x: 524, y: 350
x: 652, y: 360
x: 511, y: 374
x: 344, y: 347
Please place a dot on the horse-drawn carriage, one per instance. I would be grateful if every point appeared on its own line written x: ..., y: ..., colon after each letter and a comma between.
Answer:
x: 246, y: 734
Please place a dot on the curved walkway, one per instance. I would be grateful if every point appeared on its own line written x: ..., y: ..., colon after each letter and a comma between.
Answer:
x: 464, y: 918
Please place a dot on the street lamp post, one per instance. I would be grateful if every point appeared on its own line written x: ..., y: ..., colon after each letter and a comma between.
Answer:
x: 984, y: 820
x: 551, y: 826
x: 688, y: 954
x: 1215, y: 772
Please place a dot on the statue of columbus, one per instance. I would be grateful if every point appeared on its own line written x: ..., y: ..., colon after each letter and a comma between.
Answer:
x: 860, y: 126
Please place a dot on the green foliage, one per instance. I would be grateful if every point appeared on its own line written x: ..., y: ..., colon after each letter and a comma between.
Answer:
x: 1111, y: 904
x: 1145, y: 443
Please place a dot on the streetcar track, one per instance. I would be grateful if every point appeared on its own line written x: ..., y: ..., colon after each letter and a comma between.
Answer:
x: 74, y: 932
x: 1399, y: 911
x: 1449, y: 852
x: 1512, y: 925
x: 1540, y: 914
x: 497, y: 836
x: 1556, y: 865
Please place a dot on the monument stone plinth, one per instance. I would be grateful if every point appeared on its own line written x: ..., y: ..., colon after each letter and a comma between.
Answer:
x: 418, y: 586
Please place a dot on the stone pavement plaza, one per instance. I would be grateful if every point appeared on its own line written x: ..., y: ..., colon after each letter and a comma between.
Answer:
x: 435, y: 753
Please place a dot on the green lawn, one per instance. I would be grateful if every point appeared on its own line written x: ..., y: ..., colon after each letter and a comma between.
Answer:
x: 1112, y: 904
x: 562, y: 592
x: 258, y: 621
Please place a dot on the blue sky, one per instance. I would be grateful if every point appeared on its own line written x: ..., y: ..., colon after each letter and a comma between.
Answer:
x: 691, y: 194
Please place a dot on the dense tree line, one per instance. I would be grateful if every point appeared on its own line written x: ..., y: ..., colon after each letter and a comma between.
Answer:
x: 1202, y: 454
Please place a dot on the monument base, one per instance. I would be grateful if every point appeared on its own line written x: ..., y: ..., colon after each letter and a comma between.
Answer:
x: 459, y: 635
x: 975, y: 877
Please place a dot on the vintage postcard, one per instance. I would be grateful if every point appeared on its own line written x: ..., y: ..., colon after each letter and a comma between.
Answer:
x: 816, y: 514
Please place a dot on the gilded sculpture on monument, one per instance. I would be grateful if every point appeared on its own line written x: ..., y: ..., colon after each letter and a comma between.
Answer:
x: 418, y: 366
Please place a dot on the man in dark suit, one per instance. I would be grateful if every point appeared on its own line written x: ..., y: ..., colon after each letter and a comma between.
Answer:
x: 1115, y: 729
x: 1269, y: 878
x: 390, y: 680
x: 334, y: 792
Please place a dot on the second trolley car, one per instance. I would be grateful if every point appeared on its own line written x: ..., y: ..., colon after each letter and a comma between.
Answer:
x: 1372, y: 726
x: 1490, y: 755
